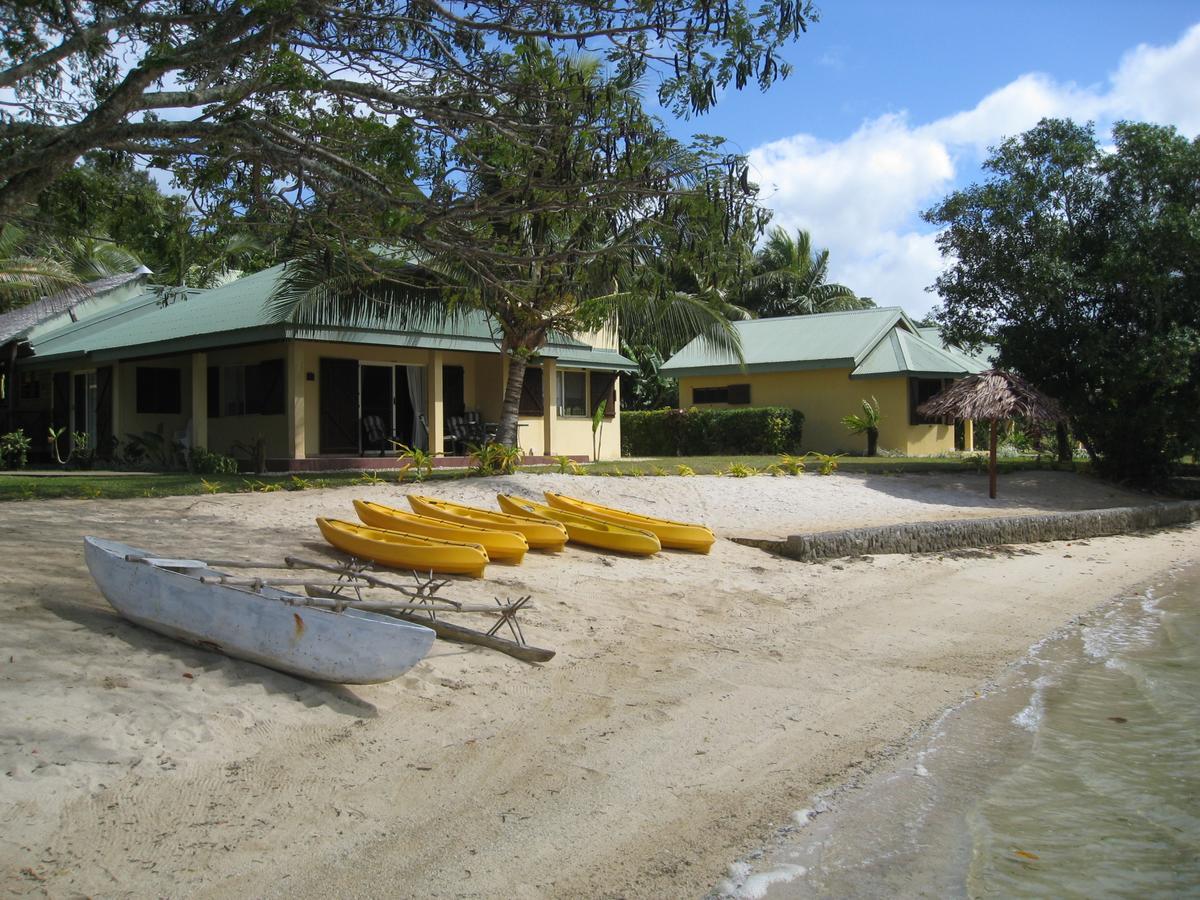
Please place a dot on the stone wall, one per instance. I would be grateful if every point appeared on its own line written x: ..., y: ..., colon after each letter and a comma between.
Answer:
x: 954, y: 534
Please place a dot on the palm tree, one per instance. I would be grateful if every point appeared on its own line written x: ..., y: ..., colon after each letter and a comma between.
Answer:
x: 30, y: 270
x: 791, y: 279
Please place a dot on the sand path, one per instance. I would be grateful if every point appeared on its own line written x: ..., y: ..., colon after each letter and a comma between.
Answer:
x: 694, y: 703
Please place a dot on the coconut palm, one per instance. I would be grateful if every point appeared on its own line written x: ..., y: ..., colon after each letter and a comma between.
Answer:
x: 790, y: 279
x: 27, y: 274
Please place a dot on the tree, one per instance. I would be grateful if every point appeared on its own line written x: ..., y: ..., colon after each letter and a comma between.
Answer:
x: 790, y: 280
x: 32, y: 268
x: 577, y: 200
x: 348, y: 108
x: 1081, y: 266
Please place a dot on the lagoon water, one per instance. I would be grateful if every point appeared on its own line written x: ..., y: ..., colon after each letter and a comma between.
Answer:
x: 1077, y: 776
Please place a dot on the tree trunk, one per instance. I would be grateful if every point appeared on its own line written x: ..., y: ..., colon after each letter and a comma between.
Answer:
x: 992, y: 462
x: 872, y: 441
x: 1064, y: 442
x: 506, y: 432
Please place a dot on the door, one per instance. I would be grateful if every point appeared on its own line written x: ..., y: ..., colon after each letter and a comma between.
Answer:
x: 377, y: 405
x: 338, y: 392
x: 83, y: 406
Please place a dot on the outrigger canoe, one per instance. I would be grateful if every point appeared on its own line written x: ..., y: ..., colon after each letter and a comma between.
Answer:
x: 265, y: 625
x: 500, y: 545
x: 675, y: 535
x: 404, y: 551
x: 584, y: 529
x: 541, y: 534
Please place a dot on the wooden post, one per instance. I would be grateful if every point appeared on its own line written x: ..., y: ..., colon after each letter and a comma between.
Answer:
x: 549, y: 403
x: 992, y: 463
x: 296, y: 385
x: 436, y: 406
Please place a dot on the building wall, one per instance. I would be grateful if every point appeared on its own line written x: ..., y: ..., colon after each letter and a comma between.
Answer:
x: 127, y: 420
x: 225, y: 431
x: 825, y: 396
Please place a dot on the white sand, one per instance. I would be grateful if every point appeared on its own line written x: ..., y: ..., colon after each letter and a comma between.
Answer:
x: 695, y: 702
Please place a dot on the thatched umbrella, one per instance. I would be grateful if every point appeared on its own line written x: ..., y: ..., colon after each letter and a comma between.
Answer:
x: 993, y: 395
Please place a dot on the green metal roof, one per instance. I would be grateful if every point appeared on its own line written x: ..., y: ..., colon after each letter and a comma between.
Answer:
x: 236, y: 313
x: 979, y: 362
x: 871, y: 342
x: 901, y: 352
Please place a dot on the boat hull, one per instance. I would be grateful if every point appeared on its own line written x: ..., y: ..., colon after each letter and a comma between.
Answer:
x: 509, y: 546
x: 587, y: 530
x: 539, y: 533
x: 674, y: 535
x: 405, y: 551
x: 351, y: 647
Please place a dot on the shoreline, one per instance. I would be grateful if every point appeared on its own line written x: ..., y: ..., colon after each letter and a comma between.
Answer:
x: 910, y: 805
x: 696, y: 702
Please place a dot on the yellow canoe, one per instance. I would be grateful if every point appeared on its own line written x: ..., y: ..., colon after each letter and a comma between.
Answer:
x: 583, y: 529
x: 506, y: 545
x: 404, y: 551
x: 676, y: 535
x: 540, y: 533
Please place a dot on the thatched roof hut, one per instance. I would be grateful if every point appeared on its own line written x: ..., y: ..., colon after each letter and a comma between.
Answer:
x: 993, y: 395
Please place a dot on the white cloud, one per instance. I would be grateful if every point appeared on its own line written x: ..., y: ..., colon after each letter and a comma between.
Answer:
x: 861, y: 197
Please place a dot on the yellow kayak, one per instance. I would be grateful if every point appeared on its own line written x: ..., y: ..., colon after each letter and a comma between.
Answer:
x: 676, y: 535
x: 584, y: 529
x: 404, y: 551
x: 506, y: 545
x: 540, y: 533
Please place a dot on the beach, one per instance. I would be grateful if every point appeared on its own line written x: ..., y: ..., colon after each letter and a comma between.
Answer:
x: 694, y: 704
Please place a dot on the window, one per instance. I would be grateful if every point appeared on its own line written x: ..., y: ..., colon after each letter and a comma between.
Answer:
x: 158, y: 390
x: 31, y: 386
x: 572, y: 393
x: 732, y: 394
x: 603, y: 387
x: 242, y: 390
x: 920, y: 390
x: 531, y: 392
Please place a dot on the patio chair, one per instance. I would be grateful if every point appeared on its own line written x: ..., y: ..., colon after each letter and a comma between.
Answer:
x: 375, y: 435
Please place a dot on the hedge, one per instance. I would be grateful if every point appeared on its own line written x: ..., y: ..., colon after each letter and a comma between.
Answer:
x: 701, y: 431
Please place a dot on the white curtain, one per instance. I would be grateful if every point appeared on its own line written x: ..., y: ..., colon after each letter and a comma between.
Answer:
x: 415, y: 375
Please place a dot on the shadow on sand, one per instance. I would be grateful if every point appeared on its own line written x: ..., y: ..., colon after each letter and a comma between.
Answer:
x: 336, y: 697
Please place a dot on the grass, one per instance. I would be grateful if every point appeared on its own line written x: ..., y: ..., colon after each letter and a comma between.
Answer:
x: 83, y: 486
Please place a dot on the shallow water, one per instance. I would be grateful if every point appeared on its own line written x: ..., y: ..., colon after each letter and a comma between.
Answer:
x: 1078, y: 776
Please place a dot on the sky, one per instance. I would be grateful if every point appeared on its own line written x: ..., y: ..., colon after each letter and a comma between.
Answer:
x: 891, y: 106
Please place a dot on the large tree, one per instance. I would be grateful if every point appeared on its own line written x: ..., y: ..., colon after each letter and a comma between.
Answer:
x: 1081, y: 264
x: 790, y: 279
x: 576, y: 202
x: 348, y: 108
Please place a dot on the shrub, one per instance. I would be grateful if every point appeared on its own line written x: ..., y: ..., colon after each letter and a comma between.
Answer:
x: 14, y: 449
x: 741, y: 470
x: 705, y: 432
x: 205, y: 462
x: 495, y: 459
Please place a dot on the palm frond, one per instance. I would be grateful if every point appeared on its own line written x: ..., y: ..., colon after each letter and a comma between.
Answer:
x: 676, y: 318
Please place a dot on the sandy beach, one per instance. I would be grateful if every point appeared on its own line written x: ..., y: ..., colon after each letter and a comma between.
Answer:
x: 694, y: 704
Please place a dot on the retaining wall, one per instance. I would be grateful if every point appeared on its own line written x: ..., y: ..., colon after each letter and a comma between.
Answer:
x: 955, y: 534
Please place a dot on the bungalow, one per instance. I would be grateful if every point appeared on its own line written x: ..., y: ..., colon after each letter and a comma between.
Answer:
x: 211, y: 369
x: 825, y: 365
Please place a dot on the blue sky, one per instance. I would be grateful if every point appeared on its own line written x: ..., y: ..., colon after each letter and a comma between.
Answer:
x: 892, y: 105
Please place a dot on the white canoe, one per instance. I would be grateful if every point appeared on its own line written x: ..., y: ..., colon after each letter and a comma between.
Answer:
x: 167, y: 596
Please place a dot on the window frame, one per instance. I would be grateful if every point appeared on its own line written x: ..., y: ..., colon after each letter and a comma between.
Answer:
x: 560, y: 395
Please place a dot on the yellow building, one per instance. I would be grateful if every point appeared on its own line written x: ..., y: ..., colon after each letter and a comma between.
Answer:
x: 825, y: 365
x: 212, y: 369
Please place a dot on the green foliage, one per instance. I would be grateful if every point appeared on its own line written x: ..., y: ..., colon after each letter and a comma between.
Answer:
x: 566, y: 465
x: 261, y: 487
x: 202, y: 461
x: 1077, y: 262
x: 153, y: 450
x: 368, y: 478
x: 211, y: 487
x: 597, y: 426
x: 740, y: 470
x: 685, y: 471
x: 494, y: 459
x: 255, y: 452
x: 657, y: 470
x: 868, y: 421
x: 418, y: 462
x: 790, y: 280
x: 14, y: 449
x: 702, y: 431
x: 296, y: 483
x: 827, y: 463
x: 792, y: 465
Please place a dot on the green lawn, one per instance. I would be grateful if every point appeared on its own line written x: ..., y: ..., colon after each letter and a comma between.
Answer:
x: 81, y: 485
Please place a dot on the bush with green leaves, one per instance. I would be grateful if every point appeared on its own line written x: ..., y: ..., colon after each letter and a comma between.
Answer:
x: 202, y: 461
x: 704, y: 432
x: 494, y: 459
x: 14, y: 449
